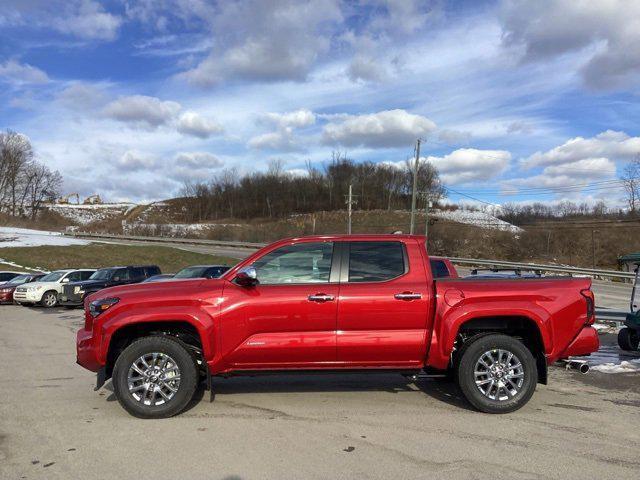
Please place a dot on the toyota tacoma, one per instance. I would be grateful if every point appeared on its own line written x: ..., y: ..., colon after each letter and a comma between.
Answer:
x: 335, y: 303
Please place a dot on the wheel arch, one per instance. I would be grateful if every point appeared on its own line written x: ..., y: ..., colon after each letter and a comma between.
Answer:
x: 122, y: 337
x: 521, y: 327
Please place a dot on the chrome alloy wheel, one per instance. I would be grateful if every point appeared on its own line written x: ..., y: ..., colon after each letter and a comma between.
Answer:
x: 153, y: 379
x: 499, y: 374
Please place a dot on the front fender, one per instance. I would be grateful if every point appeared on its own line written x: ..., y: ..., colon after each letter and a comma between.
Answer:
x: 192, y: 315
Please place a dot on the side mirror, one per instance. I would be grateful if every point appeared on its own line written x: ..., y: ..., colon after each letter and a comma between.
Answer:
x: 115, y: 279
x: 65, y: 280
x: 247, y: 277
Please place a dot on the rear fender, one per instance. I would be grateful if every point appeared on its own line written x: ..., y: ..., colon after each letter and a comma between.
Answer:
x: 450, y: 320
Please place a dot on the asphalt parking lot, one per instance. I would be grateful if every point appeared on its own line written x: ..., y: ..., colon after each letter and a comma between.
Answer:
x: 53, y: 425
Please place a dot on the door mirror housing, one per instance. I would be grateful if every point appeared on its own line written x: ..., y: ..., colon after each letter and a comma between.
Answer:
x: 65, y: 280
x: 247, y: 277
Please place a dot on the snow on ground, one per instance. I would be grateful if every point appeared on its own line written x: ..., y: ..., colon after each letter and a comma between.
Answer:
x: 24, y: 237
x: 477, y: 218
x: 85, y: 214
x: 177, y: 229
x: 611, y: 359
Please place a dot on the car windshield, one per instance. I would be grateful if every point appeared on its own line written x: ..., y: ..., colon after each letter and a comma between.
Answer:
x: 18, y: 280
x: 191, y: 272
x: 53, y: 276
x: 102, y: 274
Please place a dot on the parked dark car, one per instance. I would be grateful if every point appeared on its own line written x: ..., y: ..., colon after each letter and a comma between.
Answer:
x: 195, y: 271
x: 7, y: 288
x: 6, y: 276
x: 73, y: 293
x: 159, y: 278
x: 201, y: 271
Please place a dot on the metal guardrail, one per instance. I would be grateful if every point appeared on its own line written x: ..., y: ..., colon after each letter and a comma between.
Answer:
x: 463, y: 261
x: 606, y: 315
x: 545, y: 268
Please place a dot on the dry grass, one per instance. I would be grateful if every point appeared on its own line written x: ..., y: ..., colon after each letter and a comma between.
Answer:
x: 105, y: 255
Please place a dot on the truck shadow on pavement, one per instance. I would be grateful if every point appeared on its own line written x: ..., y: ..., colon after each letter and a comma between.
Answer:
x: 441, y: 390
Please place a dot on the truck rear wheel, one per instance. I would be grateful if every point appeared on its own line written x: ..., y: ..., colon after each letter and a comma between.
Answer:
x: 155, y: 377
x: 628, y: 339
x: 496, y: 373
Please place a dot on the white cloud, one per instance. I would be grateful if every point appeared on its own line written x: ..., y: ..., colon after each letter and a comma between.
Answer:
x: 607, y: 29
x: 133, y: 161
x: 469, y: 165
x: 194, y: 166
x: 296, y: 119
x: 85, y: 19
x: 389, y: 128
x: 81, y: 96
x: 192, y: 123
x: 367, y: 69
x: 22, y: 73
x: 568, y: 179
x: 141, y: 110
x: 610, y: 144
x: 267, y: 41
x: 198, y: 160
x: 283, y: 140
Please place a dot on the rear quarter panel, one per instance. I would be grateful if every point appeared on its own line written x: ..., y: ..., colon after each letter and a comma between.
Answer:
x: 554, y: 304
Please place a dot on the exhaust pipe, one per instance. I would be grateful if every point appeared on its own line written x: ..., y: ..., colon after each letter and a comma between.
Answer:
x: 581, y: 365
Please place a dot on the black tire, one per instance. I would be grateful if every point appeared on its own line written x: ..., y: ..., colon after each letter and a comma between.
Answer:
x: 46, y: 296
x: 628, y: 339
x: 471, y: 353
x: 184, y: 360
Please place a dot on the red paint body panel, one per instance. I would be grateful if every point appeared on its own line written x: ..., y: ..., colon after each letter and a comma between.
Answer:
x: 585, y: 343
x: 364, y: 326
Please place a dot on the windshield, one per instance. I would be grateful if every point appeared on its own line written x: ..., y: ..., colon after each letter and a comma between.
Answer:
x: 53, y: 276
x: 191, y: 272
x: 18, y: 280
x: 102, y: 274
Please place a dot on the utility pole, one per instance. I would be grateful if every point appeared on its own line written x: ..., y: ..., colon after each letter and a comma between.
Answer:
x: 593, y: 249
x: 415, y: 189
x: 426, y: 212
x: 350, y: 201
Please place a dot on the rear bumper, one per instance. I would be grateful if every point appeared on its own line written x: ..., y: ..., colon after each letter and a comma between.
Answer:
x: 6, y: 297
x: 585, y: 343
x: 86, y: 351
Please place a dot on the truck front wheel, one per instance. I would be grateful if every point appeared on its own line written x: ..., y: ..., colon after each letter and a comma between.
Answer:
x: 155, y: 377
x: 496, y: 373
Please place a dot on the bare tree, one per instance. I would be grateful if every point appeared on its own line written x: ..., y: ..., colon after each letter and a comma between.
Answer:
x: 631, y: 182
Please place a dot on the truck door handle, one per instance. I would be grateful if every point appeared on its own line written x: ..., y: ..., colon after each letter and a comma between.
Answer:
x: 408, y: 296
x: 320, y: 297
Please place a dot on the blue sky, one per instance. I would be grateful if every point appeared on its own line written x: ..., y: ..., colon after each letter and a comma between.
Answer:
x: 516, y: 100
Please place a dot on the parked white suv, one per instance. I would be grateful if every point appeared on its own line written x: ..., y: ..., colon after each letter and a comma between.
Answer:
x: 46, y: 290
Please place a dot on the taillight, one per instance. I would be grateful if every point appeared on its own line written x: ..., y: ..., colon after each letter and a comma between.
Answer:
x: 591, y: 305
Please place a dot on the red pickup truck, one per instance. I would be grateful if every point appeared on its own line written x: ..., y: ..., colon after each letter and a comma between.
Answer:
x: 334, y: 303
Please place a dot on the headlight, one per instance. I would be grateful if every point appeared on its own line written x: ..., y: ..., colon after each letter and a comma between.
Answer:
x: 98, y: 306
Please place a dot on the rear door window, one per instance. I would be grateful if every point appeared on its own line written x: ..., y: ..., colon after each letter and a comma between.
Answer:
x: 439, y: 268
x: 376, y: 261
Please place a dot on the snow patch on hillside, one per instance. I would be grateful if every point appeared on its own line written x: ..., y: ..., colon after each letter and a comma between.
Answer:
x: 24, y: 237
x: 85, y: 214
x: 476, y: 218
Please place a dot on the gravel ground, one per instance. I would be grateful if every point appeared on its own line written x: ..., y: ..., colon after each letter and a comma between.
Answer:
x: 53, y: 425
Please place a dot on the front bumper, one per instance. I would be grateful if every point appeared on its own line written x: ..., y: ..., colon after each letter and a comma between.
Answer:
x: 27, y: 297
x: 87, y: 351
x: 585, y: 343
